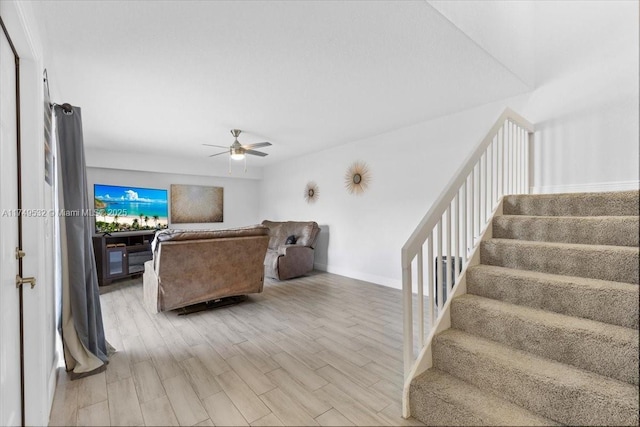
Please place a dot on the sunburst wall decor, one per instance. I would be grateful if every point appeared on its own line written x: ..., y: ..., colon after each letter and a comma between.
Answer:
x: 357, y: 178
x: 311, y: 192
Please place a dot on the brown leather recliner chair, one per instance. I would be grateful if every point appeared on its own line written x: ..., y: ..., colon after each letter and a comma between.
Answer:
x: 286, y: 261
x: 193, y: 266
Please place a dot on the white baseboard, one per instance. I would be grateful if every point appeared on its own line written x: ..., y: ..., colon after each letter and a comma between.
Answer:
x: 596, y: 187
x: 358, y: 275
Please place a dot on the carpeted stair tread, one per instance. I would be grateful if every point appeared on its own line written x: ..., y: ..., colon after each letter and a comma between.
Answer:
x: 604, y: 301
x: 590, y: 230
x: 598, y: 347
x: 574, y: 204
x: 550, y: 321
x: 548, y: 388
x: 438, y: 398
x: 614, y: 263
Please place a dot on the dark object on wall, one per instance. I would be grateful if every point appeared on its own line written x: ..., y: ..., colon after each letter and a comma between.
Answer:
x: 448, y: 275
x: 291, y: 240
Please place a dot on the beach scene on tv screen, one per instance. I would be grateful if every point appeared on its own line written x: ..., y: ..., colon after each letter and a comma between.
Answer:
x: 120, y: 208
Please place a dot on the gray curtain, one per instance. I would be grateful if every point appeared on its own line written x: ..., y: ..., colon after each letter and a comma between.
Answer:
x: 85, y: 347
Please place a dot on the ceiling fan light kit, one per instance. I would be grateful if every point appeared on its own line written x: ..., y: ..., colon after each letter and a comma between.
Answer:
x: 236, y: 154
x: 236, y: 151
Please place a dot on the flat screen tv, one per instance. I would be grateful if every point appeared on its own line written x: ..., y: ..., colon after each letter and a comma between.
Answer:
x: 120, y: 208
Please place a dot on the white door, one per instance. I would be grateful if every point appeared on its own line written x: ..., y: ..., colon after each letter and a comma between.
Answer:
x: 10, y: 377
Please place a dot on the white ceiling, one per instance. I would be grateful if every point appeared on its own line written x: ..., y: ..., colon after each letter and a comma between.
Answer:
x: 166, y: 77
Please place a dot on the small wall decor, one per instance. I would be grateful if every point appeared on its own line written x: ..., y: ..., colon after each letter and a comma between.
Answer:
x: 196, y: 204
x: 311, y: 192
x: 357, y: 178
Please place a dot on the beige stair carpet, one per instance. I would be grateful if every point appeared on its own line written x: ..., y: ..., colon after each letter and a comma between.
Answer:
x: 548, y: 332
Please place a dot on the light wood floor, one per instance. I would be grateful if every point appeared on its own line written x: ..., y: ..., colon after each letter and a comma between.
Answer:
x: 319, y: 350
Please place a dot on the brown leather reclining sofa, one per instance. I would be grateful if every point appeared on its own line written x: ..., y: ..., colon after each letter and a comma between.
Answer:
x: 286, y: 261
x: 193, y: 266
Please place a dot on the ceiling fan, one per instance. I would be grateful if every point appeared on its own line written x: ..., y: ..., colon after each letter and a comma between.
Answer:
x: 238, y: 151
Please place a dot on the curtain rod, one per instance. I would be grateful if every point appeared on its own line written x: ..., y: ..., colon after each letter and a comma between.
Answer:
x: 66, y: 107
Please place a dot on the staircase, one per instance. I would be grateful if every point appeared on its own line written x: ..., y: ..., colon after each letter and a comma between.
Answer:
x: 547, y: 333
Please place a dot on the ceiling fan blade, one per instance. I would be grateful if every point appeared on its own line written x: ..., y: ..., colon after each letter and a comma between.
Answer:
x: 218, y: 146
x: 224, y: 152
x: 256, y: 153
x: 256, y: 145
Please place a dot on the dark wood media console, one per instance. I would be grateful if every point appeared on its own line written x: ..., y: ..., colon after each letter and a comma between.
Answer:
x: 122, y: 254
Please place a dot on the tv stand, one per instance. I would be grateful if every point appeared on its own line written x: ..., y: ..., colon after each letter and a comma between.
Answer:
x: 122, y: 254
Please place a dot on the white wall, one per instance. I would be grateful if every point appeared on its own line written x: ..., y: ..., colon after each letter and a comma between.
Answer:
x: 583, y: 58
x: 584, y: 105
x: 241, y: 196
x: 502, y: 28
x: 362, y: 235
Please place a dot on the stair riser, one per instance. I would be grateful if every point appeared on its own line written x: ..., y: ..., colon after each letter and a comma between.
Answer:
x: 615, y: 231
x: 591, y: 204
x: 607, y: 354
x: 613, y: 305
x: 434, y: 411
x: 618, y: 264
x: 544, y: 395
x: 438, y: 398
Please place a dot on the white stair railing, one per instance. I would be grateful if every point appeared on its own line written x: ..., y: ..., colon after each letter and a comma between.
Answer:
x: 451, y: 230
